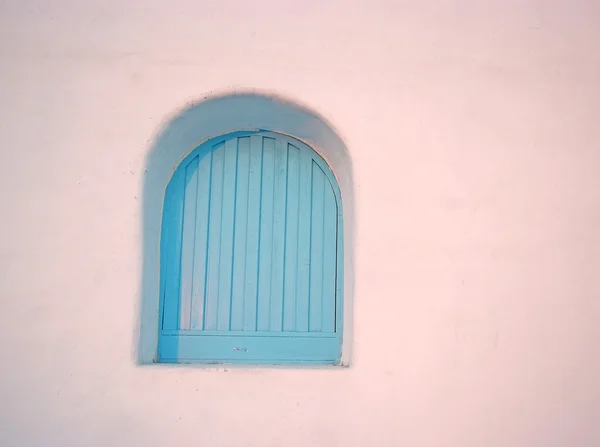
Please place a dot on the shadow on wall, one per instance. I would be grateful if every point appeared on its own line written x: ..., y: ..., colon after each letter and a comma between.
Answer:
x: 210, y: 118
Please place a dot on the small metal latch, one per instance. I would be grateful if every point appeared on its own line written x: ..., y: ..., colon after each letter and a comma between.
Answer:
x: 235, y: 348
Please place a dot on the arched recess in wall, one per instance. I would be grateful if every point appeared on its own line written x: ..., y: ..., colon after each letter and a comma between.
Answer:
x: 221, y: 116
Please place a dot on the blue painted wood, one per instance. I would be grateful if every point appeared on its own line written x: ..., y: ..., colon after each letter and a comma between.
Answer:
x: 215, y: 217
x: 278, y: 235
x: 265, y: 253
x: 240, y: 237
x: 255, y: 177
x: 226, y: 348
x: 304, y: 242
x: 329, y: 259
x: 201, y: 241
x: 316, y: 249
x: 203, y: 333
x: 227, y: 232
x: 188, y: 243
x: 291, y: 241
x: 173, y: 253
x: 251, y: 249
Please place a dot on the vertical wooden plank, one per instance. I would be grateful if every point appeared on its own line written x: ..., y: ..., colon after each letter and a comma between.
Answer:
x: 214, y: 238
x: 227, y: 232
x: 252, y: 232
x: 164, y: 245
x: 240, y: 235
x: 304, y: 241
x: 279, y: 222
x: 173, y: 246
x: 329, y: 259
x: 188, y: 243
x: 265, y: 250
x: 201, y: 242
x: 315, y: 322
x: 291, y: 239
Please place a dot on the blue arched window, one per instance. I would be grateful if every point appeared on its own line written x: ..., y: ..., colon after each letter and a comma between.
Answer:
x: 251, y: 255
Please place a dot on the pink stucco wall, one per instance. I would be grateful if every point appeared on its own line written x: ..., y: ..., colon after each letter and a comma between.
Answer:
x: 473, y: 131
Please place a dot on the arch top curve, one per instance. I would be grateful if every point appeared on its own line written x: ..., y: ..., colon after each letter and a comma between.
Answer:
x: 220, y: 116
x: 214, y: 143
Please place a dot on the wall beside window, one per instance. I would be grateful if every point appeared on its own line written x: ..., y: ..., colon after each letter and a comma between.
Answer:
x: 472, y: 132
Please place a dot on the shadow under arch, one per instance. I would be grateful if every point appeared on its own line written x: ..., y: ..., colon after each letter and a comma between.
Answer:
x: 216, y: 116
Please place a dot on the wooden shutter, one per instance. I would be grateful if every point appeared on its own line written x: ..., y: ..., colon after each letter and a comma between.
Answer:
x: 251, y: 249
